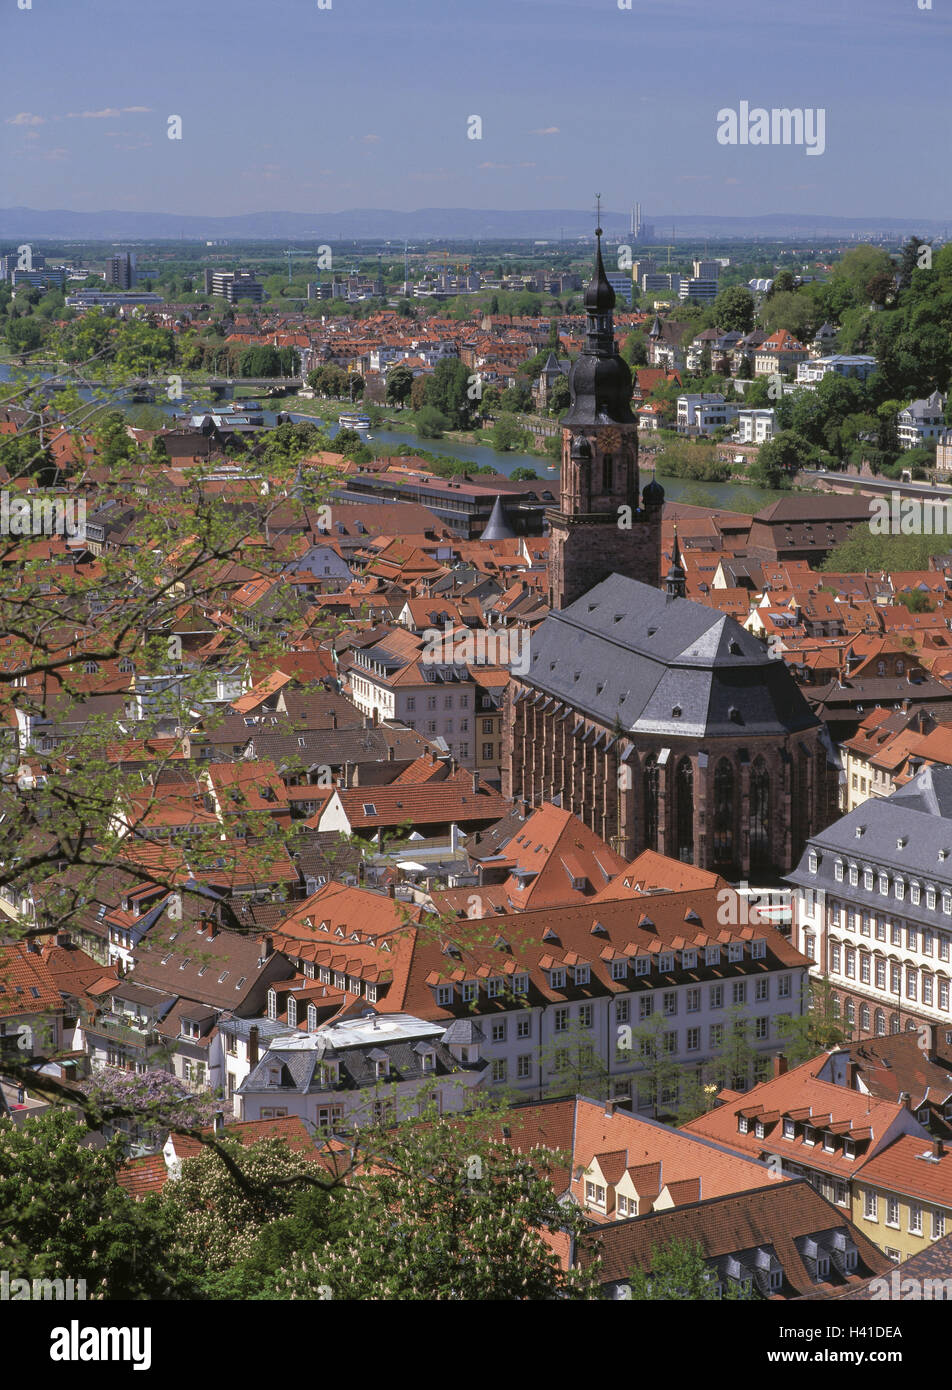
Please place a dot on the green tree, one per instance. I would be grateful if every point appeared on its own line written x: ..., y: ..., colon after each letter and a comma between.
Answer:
x: 573, y: 1065
x: 559, y: 396
x: 679, y: 1272
x: 447, y: 391
x: 64, y: 1215
x: 507, y: 434
x: 523, y: 475
x: 399, y: 384
x: 446, y: 1209
x: 431, y: 423
x: 734, y: 309
x: 808, y: 1034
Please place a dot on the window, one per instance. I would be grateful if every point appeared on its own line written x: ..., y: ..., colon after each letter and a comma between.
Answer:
x: 494, y: 986
x: 561, y: 1020
x: 758, y: 949
x: 272, y: 1005
x: 684, y: 812
x: 622, y: 1010
x: 444, y: 995
x: 520, y: 983
x: 740, y: 992
x: 499, y: 1031
x: 582, y: 974
x: 694, y: 1040
x: 892, y: 1211
x: 524, y: 1066
x: 761, y: 1027
x: 835, y: 961
x: 864, y: 968
x: 524, y: 1026
x: 864, y: 1017
x: 915, y: 1219
x: 838, y: 870
x: 723, y: 812
x: 717, y: 1034
x: 650, y: 789
x: 642, y: 965
x: 783, y: 986
x: 688, y: 960
x: 557, y: 978
x: 712, y: 955
x: 938, y: 1225
x: 716, y: 997
x: 645, y: 1006
x: 759, y: 815
x: 500, y: 1069
x: 812, y: 861
x: 469, y: 991
x: 762, y: 988
x: 670, y: 1002
x: 789, y: 1128
x: 693, y: 1001
x: 809, y: 1135
x: 619, y: 969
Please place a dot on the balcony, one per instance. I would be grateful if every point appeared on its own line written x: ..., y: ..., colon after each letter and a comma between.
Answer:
x: 135, y: 1036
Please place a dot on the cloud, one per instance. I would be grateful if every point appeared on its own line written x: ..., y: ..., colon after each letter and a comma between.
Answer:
x: 136, y: 109
x: 546, y: 130
x: 693, y: 178
x: 26, y: 118
x: 732, y: 180
x: 371, y: 139
x: 54, y: 154
x: 108, y: 113
x: 491, y: 164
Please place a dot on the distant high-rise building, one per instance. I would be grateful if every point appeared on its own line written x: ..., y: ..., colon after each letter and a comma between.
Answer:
x: 121, y: 270
x: 620, y: 281
x: 702, y: 291
x: 707, y: 270
x: 236, y: 285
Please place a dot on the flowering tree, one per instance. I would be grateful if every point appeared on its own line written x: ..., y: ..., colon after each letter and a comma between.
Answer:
x: 149, y: 1102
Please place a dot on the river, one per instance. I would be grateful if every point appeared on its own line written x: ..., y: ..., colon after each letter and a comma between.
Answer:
x: 736, y: 497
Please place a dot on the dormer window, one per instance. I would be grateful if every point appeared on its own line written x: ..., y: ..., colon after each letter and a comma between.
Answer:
x: 494, y: 987
x: 868, y: 880
x: 735, y: 951
x: 712, y: 955
x: 759, y: 1129
x: 899, y: 886
x: 812, y: 861
x: 666, y: 961
x: 743, y: 1124
x: 312, y: 1018
x: 838, y: 870
x: 582, y: 974
x: 273, y: 1005
x: 688, y: 959
x: 642, y: 965
x: 789, y: 1128
x: 520, y: 983
x: 758, y: 949
x: 292, y: 1011
x: 557, y: 978
x: 381, y: 1068
x: 468, y: 991
x: 828, y: 1143
x: 849, y: 1148
x: 619, y: 969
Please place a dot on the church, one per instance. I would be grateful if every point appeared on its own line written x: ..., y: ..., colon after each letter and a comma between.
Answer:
x: 662, y: 724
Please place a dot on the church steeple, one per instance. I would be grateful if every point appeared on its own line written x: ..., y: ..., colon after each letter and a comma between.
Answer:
x: 600, y: 379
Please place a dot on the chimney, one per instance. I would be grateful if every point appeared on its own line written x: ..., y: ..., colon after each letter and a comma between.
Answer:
x: 333, y: 719
x: 389, y: 752
x: 391, y: 890
x: 780, y: 1064
x: 219, y: 1122
x: 253, y: 1045
x: 905, y: 1100
x: 852, y: 1071
x: 267, y: 947
x: 475, y: 782
x: 212, y: 928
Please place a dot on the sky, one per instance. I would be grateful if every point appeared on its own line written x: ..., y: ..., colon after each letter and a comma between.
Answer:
x: 367, y: 104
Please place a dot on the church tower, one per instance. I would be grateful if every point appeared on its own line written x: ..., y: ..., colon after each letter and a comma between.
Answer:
x: 601, y: 527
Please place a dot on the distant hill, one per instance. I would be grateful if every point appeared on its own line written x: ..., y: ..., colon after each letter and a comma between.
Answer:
x: 432, y: 223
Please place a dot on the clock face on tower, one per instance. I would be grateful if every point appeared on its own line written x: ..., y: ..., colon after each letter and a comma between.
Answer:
x: 610, y: 440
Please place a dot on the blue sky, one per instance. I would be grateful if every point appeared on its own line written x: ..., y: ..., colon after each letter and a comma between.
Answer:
x: 288, y: 107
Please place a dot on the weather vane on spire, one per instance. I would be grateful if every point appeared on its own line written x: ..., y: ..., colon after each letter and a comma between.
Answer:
x: 598, y: 214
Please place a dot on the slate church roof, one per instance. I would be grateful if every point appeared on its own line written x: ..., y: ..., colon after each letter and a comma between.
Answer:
x: 630, y: 657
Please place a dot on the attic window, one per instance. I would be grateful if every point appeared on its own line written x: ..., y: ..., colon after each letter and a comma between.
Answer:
x: 652, y: 631
x: 734, y: 649
x: 369, y: 808
x: 734, y: 715
x: 676, y: 712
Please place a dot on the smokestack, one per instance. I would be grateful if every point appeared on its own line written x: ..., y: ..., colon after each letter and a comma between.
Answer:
x: 780, y: 1065
x: 267, y: 947
x: 253, y: 1045
x: 938, y: 1148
